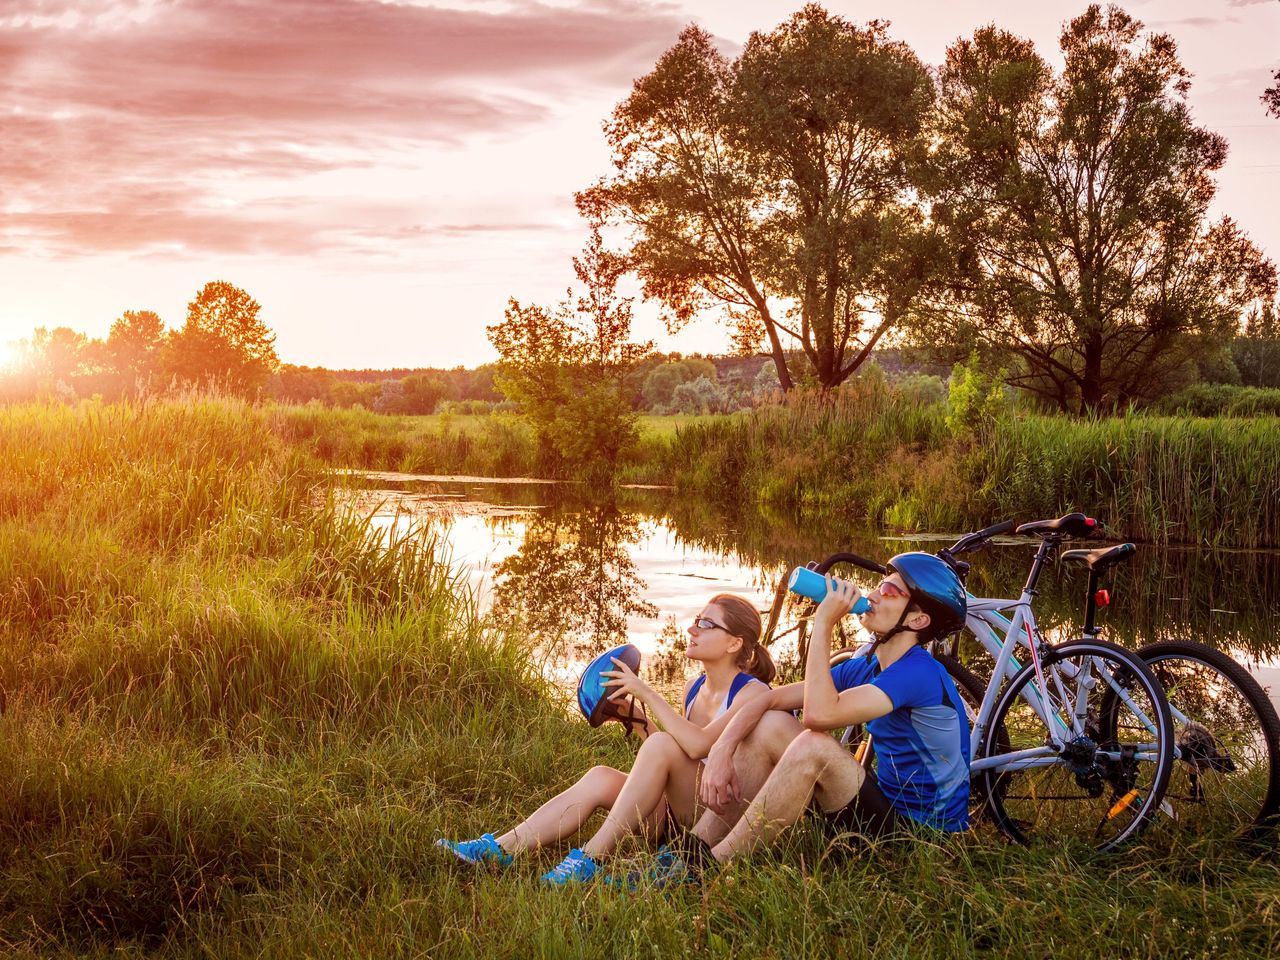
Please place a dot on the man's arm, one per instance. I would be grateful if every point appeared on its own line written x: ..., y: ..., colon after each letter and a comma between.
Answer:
x: 824, y: 707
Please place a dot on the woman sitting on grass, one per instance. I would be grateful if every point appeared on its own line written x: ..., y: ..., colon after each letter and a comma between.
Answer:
x: 663, y: 782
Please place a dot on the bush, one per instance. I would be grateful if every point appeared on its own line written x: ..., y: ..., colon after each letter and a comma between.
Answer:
x: 699, y: 396
x: 663, y: 380
x: 922, y: 388
x: 975, y: 398
x: 1222, y: 400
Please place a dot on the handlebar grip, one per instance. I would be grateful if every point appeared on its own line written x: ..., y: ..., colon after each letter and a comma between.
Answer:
x: 1001, y: 529
x: 974, y: 541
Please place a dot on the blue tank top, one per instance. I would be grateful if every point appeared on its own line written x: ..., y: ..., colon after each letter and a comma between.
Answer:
x: 740, y: 681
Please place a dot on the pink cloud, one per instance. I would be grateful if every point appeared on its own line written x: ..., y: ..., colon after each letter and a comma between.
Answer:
x: 121, y: 118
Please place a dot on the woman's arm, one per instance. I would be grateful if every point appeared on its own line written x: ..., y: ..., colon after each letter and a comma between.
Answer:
x: 641, y: 722
x: 694, y: 740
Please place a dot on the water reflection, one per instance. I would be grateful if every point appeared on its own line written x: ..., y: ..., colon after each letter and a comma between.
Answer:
x: 582, y: 573
x: 573, y: 583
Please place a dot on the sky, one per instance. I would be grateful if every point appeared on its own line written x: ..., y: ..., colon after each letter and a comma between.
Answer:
x: 381, y: 175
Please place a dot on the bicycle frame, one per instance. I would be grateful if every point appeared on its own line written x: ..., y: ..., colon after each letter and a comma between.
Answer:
x: 1002, y: 636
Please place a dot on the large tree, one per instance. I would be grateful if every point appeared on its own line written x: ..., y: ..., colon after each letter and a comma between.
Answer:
x: 223, y: 342
x: 1077, y: 204
x: 1271, y: 96
x: 778, y: 186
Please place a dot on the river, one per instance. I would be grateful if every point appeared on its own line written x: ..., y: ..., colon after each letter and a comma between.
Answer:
x: 582, y: 570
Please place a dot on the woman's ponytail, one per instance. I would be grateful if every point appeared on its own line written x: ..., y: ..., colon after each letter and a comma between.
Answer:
x: 743, y: 621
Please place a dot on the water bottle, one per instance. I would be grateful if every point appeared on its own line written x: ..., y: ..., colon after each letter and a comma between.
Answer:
x: 813, y: 585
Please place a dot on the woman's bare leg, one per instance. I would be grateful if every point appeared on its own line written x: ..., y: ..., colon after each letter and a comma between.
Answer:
x: 565, y: 813
x: 662, y: 770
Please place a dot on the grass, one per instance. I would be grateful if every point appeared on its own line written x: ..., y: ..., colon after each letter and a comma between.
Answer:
x: 871, y: 455
x: 237, y: 719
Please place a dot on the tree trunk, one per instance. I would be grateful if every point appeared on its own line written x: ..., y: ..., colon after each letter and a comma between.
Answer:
x: 775, y: 348
x: 1091, y: 379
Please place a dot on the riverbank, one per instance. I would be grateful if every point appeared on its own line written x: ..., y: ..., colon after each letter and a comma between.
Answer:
x: 236, y: 721
x: 876, y: 455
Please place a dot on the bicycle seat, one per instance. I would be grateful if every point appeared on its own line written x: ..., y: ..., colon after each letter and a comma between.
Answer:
x: 1071, y: 525
x: 1101, y: 558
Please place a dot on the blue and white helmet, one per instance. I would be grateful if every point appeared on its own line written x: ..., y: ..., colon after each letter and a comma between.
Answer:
x: 935, y: 589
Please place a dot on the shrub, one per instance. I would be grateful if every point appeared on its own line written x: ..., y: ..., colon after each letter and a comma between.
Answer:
x: 1223, y: 400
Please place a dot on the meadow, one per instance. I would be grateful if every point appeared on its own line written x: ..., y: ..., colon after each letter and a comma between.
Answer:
x: 236, y: 719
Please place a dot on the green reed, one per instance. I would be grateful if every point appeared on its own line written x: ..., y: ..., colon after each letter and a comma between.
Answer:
x: 870, y: 454
x: 495, y: 445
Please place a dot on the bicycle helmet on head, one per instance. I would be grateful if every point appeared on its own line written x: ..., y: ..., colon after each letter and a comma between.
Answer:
x: 935, y: 589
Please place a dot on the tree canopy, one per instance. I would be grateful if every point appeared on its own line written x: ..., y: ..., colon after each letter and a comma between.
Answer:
x: 135, y: 346
x: 223, y: 341
x: 1077, y: 209
x: 567, y: 367
x: 778, y: 186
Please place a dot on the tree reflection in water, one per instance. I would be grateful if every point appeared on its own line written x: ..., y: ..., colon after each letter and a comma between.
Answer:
x: 574, y: 581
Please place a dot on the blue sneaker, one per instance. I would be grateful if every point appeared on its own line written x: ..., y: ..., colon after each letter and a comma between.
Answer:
x: 666, y: 870
x: 577, y: 867
x: 483, y: 851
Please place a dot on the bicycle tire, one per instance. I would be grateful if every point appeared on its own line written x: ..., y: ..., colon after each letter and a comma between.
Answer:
x: 1069, y: 794
x: 1230, y: 785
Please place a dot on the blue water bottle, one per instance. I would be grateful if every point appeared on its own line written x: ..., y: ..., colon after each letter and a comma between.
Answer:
x: 808, y: 583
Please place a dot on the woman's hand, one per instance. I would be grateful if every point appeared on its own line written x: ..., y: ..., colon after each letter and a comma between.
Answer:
x: 719, y: 786
x: 624, y: 682
x: 839, y: 601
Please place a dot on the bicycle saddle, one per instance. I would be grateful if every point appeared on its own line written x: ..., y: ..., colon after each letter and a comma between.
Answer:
x: 1071, y: 525
x: 1101, y: 558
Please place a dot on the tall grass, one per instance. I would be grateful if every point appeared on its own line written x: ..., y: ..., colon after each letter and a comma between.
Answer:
x: 237, y: 719
x: 219, y: 684
x: 494, y: 445
x: 871, y: 454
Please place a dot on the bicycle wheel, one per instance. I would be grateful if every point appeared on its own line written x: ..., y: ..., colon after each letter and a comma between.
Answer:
x: 1226, y: 778
x: 1078, y: 782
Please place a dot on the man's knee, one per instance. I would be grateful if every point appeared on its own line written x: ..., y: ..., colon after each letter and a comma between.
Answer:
x: 773, y: 733
x: 811, y: 751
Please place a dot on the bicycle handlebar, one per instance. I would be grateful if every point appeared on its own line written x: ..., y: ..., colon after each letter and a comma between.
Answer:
x: 975, y: 541
x: 852, y: 558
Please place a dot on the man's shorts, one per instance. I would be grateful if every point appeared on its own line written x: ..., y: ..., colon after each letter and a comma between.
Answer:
x: 869, y: 812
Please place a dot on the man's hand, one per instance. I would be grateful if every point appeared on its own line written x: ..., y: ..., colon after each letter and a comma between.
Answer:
x: 840, y: 598
x: 720, y: 785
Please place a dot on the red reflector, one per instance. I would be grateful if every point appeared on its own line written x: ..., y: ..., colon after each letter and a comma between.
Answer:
x: 1102, y: 598
x: 1090, y: 522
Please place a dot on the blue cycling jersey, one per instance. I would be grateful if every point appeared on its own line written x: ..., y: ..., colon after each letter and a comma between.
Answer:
x: 922, y: 745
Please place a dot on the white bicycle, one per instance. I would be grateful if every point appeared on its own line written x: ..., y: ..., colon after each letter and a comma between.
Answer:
x: 1078, y: 744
